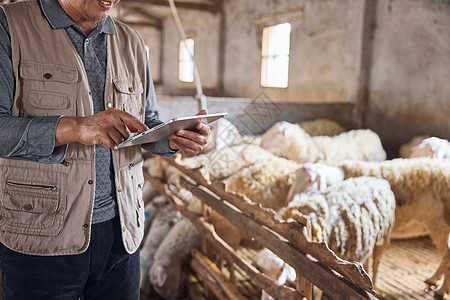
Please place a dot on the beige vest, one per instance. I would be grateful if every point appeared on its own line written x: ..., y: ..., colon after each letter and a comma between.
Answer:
x: 46, y: 209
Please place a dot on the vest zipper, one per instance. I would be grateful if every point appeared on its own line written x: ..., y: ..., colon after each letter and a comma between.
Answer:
x: 33, y: 186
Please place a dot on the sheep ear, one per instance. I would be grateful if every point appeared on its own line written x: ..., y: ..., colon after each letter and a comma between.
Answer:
x: 322, y: 182
x: 265, y: 296
x: 290, y: 271
x: 283, y: 277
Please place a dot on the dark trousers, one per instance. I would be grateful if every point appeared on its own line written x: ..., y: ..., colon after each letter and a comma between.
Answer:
x: 104, y: 271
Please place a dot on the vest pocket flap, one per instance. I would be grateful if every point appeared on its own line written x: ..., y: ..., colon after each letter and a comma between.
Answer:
x: 49, y: 100
x: 128, y: 86
x: 29, y: 204
x: 48, y: 72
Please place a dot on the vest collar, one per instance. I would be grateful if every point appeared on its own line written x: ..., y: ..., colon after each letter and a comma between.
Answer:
x: 58, y: 19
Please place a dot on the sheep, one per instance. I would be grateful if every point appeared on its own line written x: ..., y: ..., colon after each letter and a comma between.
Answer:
x: 166, y: 218
x: 250, y: 139
x: 152, y: 209
x: 165, y: 273
x: 154, y: 166
x: 432, y: 147
x: 260, y: 175
x: 422, y: 192
x: 223, y: 134
x: 274, y: 267
x: 217, y: 165
x: 425, y: 146
x: 360, y: 144
x: 354, y: 217
x: 224, y: 228
x: 406, y: 149
x: 322, y: 127
x: 149, y: 192
x: 265, y: 182
x: 311, y: 177
x: 292, y: 142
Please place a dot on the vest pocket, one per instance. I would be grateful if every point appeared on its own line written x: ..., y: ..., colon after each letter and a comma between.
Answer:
x: 128, y: 96
x: 35, y: 205
x: 48, y: 89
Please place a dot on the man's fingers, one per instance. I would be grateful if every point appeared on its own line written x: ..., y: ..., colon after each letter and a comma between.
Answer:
x: 202, y: 128
x: 193, y: 136
x: 107, y: 142
x: 191, y: 142
x: 123, y: 130
x: 202, y: 112
x: 132, y: 122
x: 188, y: 146
x: 116, y: 136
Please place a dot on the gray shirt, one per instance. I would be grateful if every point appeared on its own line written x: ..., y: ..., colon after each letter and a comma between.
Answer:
x: 33, y: 138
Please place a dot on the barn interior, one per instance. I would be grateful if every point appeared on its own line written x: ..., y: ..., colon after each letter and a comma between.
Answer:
x: 388, y: 59
x: 381, y: 65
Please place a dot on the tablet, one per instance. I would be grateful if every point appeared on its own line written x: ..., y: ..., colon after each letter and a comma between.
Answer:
x: 173, y: 125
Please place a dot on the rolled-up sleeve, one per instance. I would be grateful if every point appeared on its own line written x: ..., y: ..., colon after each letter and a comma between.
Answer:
x: 25, y: 138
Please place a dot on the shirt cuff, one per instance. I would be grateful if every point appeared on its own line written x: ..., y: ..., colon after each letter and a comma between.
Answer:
x: 160, y: 147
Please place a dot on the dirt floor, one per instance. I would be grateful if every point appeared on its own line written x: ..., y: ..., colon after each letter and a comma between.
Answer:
x: 401, y: 274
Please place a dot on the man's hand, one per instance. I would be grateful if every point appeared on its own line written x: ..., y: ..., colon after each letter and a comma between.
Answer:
x: 107, y: 128
x: 190, y: 142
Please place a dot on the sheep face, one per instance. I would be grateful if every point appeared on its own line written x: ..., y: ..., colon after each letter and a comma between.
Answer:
x: 290, y: 141
x: 310, y: 177
x: 432, y: 147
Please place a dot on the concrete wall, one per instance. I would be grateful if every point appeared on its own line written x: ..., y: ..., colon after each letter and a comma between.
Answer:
x: 203, y: 27
x: 324, y: 55
x: 409, y: 91
x: 152, y: 38
x: 408, y: 74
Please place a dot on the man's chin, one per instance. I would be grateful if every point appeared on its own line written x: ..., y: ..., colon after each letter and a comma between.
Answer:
x: 98, y: 19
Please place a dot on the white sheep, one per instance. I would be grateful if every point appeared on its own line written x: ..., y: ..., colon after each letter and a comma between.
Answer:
x: 433, y: 147
x: 165, y: 219
x: 154, y: 166
x: 266, y: 182
x: 405, y: 150
x: 274, y: 267
x: 223, y: 134
x: 310, y: 177
x: 422, y: 191
x: 217, y: 165
x: 165, y: 273
x: 322, y: 127
x: 153, y: 207
x: 255, y: 172
x: 354, y: 217
x: 359, y: 144
x: 292, y: 142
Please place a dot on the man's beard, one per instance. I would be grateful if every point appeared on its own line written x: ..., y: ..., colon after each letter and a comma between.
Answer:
x: 95, y: 20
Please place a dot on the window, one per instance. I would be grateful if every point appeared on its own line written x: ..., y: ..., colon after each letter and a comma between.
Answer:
x: 186, y: 65
x: 275, y: 55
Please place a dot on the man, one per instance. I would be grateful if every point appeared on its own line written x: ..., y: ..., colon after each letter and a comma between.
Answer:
x: 73, y: 85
